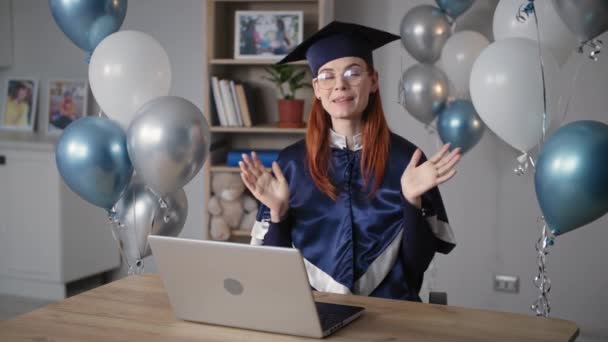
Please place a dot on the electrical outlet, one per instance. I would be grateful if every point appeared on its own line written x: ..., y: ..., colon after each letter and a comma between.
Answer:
x: 506, y: 283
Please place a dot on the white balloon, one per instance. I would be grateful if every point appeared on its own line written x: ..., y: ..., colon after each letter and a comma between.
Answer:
x: 127, y: 69
x: 507, y: 90
x: 457, y: 58
x: 554, y: 34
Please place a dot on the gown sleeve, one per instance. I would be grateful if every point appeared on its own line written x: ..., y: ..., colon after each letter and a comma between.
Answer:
x: 269, y: 233
x: 278, y: 234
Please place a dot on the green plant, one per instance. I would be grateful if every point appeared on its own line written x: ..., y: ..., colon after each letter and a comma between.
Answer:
x: 287, y: 79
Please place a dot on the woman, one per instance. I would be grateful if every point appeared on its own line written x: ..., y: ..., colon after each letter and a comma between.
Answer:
x: 359, y: 202
x: 17, y: 107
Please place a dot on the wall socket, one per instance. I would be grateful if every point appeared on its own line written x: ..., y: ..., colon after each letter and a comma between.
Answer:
x: 506, y: 283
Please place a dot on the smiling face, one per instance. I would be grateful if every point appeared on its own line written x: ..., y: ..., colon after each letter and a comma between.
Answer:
x: 344, y: 86
x: 22, y: 94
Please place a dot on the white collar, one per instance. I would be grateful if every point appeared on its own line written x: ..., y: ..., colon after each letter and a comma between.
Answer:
x: 339, y: 141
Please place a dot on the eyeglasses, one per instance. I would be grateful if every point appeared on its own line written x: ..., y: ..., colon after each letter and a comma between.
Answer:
x: 352, y: 75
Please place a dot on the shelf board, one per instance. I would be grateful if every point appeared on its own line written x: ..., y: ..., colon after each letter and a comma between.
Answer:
x: 241, y: 233
x: 232, y: 61
x: 267, y: 128
x: 223, y: 168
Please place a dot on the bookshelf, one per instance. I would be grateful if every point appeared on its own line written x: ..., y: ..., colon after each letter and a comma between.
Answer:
x: 261, y: 94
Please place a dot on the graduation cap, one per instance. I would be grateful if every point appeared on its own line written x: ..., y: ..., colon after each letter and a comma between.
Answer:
x: 337, y: 40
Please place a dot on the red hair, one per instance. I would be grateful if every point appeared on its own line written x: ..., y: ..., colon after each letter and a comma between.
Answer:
x: 375, y: 136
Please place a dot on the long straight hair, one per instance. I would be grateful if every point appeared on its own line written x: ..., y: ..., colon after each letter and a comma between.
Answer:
x: 375, y: 136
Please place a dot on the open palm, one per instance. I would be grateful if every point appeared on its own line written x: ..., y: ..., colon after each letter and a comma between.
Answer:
x: 418, y: 179
x: 272, y: 191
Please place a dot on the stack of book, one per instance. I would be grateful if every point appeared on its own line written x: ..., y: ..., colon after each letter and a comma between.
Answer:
x: 231, y: 104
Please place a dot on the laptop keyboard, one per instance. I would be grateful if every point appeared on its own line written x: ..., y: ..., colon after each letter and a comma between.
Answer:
x: 332, y: 316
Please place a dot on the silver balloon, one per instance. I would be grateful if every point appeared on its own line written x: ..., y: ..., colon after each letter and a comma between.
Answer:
x: 586, y: 18
x: 141, y: 214
x: 168, y: 142
x: 424, y: 31
x: 424, y: 91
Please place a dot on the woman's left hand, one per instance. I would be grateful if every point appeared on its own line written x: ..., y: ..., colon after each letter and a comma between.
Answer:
x: 418, y: 179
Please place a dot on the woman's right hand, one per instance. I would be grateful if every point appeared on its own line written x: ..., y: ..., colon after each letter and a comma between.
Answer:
x: 272, y: 191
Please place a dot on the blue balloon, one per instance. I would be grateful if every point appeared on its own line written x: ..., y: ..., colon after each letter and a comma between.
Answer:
x: 92, y: 158
x: 459, y: 125
x: 454, y: 8
x: 571, y: 176
x: 87, y: 23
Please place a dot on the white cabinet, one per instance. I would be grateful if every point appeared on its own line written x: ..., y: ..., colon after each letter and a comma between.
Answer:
x: 6, y: 34
x: 48, y: 235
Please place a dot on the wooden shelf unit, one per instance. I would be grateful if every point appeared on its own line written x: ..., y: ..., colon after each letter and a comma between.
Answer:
x: 262, y: 97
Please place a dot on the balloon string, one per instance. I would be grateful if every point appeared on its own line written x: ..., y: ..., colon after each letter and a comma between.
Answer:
x: 542, y: 73
x: 564, y: 114
x: 596, y: 44
x: 524, y: 162
x: 138, y: 267
x: 400, y: 91
x: 596, y: 48
x: 120, y: 233
x: 117, y: 227
x: 522, y: 15
x: 524, y: 11
x: 541, y: 306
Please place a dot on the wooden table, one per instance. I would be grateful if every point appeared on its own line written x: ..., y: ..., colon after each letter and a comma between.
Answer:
x: 137, y: 308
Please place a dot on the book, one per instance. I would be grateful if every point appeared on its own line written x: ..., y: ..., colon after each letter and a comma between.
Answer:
x: 242, y: 100
x: 228, y: 103
x: 266, y: 156
x: 239, y: 116
x: 217, y: 99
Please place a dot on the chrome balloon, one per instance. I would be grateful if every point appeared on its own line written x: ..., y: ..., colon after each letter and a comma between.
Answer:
x: 454, y: 8
x: 141, y: 214
x: 586, y: 18
x: 424, y: 31
x: 87, y: 23
x: 424, y: 90
x: 92, y: 158
x: 459, y: 125
x: 570, y: 179
x: 168, y: 143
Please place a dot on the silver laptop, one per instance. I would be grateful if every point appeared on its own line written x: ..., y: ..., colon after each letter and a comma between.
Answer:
x: 238, y: 285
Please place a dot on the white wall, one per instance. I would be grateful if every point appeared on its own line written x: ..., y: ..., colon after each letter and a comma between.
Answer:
x: 178, y: 26
x: 42, y: 51
x: 6, y: 32
x: 492, y: 210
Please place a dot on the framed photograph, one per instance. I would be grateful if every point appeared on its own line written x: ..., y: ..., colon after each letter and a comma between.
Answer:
x: 19, y: 104
x: 266, y: 34
x: 67, y: 103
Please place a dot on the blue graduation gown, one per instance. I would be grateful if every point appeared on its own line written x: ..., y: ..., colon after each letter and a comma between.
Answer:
x: 379, y: 246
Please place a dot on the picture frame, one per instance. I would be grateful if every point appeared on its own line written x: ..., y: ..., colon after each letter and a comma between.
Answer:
x: 267, y: 34
x: 67, y: 102
x: 19, y: 100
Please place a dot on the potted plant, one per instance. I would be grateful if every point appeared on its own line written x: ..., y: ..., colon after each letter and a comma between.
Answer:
x: 288, y: 80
